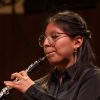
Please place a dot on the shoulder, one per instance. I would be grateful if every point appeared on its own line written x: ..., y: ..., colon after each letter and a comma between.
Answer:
x: 92, y: 71
x: 91, y: 77
x: 89, y: 70
x: 89, y: 84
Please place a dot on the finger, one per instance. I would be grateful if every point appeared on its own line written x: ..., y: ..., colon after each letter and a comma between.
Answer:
x: 16, y: 75
x: 11, y: 84
x: 23, y: 73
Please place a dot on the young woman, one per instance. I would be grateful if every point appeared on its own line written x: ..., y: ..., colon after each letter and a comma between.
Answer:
x: 66, y: 42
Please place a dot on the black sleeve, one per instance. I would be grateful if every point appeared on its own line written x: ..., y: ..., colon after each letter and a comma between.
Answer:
x: 90, y: 90
x: 33, y: 93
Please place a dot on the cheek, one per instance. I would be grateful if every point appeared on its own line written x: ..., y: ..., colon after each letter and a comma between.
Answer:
x: 64, y: 48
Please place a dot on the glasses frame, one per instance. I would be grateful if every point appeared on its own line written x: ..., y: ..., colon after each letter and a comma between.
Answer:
x: 50, y: 39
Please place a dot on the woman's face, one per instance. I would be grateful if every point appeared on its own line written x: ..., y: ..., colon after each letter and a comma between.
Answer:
x: 59, y: 50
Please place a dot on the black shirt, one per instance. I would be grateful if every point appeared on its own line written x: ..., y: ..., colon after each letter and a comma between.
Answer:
x: 75, y: 83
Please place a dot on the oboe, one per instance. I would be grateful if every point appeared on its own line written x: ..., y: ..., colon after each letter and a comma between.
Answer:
x: 6, y: 90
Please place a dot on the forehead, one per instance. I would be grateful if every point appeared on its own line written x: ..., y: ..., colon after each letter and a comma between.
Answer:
x: 53, y: 28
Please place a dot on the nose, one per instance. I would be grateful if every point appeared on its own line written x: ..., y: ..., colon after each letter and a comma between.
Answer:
x: 46, y: 43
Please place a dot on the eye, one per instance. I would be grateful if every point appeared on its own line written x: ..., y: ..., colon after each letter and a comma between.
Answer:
x: 54, y: 35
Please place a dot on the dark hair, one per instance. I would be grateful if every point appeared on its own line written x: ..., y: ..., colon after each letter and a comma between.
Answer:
x: 73, y: 24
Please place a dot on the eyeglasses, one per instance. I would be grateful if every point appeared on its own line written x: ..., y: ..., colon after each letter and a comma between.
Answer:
x: 51, y: 39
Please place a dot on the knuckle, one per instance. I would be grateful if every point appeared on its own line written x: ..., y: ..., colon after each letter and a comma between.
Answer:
x: 13, y: 75
x: 25, y: 78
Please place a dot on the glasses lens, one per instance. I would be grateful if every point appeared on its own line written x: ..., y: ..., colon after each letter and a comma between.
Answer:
x: 41, y: 40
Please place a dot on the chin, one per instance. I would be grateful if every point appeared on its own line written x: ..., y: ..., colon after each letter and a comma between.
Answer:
x: 53, y: 60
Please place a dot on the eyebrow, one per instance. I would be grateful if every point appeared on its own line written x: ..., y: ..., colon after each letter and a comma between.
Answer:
x: 56, y: 33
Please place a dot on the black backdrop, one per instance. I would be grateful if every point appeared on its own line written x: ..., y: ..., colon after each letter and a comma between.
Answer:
x: 55, y: 5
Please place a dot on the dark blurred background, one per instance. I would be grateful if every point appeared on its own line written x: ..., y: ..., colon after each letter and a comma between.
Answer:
x: 21, y: 25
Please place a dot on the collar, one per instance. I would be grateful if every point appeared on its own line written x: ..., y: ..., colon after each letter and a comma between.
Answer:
x: 68, y: 72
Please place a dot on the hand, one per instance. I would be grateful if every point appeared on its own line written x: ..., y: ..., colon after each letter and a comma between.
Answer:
x: 23, y: 83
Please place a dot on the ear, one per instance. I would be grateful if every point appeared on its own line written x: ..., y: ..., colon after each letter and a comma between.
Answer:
x: 78, y: 41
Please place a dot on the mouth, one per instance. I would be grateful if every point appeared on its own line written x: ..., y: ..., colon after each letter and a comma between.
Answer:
x: 49, y: 53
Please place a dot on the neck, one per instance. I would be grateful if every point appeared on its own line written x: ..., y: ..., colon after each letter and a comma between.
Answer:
x: 65, y: 64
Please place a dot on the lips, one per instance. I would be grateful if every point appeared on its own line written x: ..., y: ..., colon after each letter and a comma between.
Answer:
x: 47, y: 53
